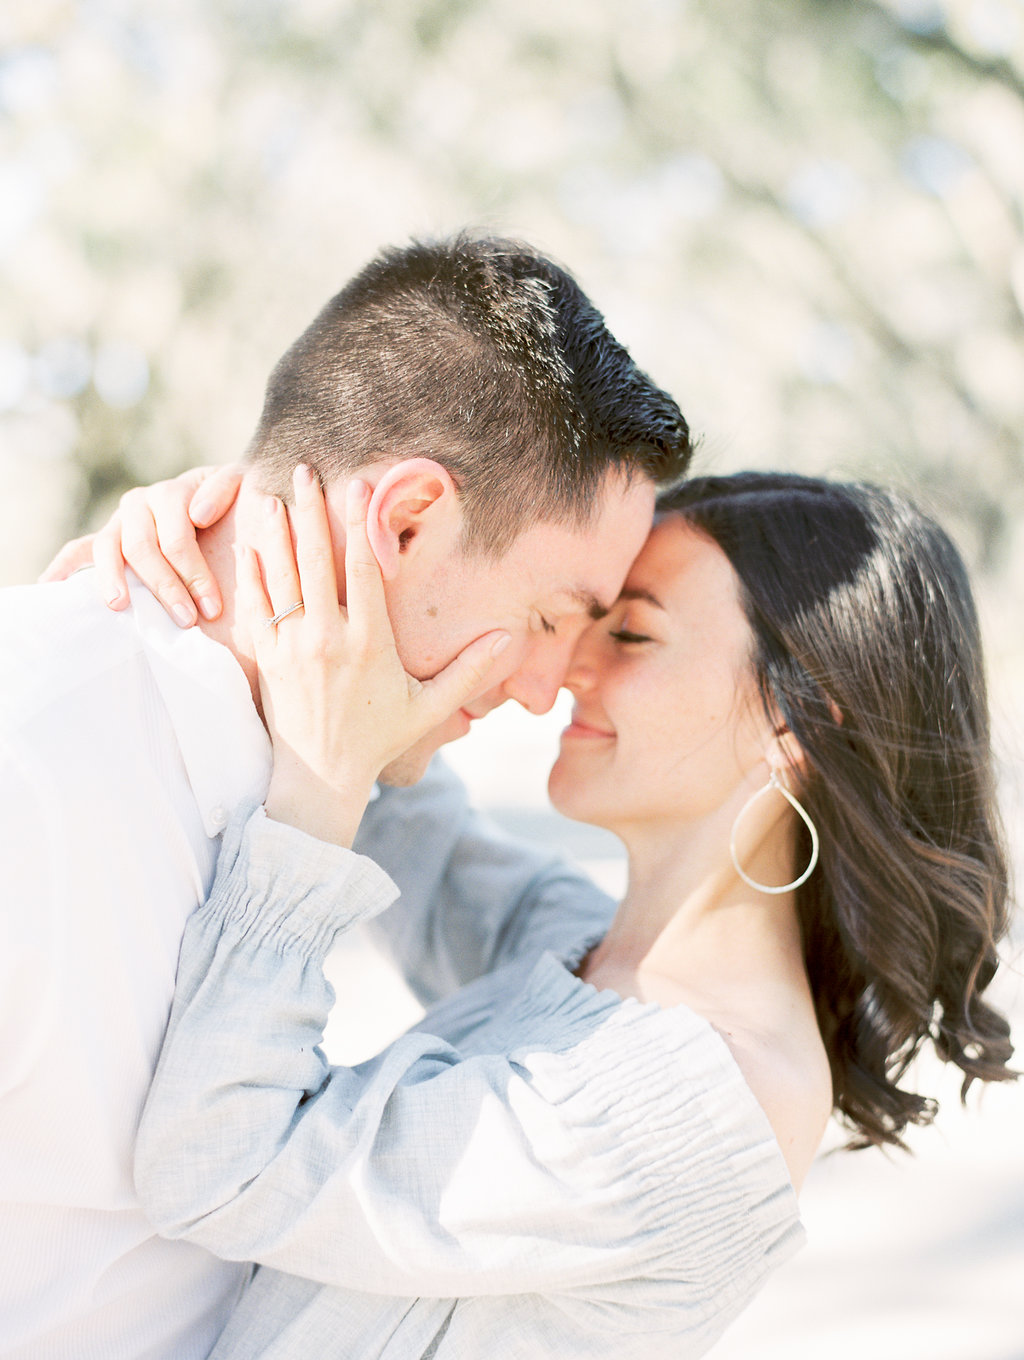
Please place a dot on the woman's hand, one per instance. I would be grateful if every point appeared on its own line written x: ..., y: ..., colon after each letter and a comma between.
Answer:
x: 153, y: 531
x: 337, y: 701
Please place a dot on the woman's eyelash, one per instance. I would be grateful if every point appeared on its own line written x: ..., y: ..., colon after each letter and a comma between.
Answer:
x: 546, y: 625
x: 624, y: 635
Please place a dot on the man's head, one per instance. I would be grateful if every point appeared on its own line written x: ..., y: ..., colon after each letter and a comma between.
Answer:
x: 483, y: 355
x: 513, y: 446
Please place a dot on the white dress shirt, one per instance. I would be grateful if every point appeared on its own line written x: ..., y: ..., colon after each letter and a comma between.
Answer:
x: 125, y: 745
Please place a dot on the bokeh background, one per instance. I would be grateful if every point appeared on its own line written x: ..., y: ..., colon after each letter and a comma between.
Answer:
x: 804, y: 217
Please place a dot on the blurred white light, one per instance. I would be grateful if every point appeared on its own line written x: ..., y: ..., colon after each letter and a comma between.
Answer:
x: 935, y: 164
x: 637, y: 214
x: 827, y: 352
x: 55, y: 433
x: 21, y: 198
x: 15, y: 371
x: 994, y: 26
x: 693, y: 185
x: 583, y: 191
x: 121, y: 373
x: 596, y: 118
x: 28, y: 79
x: 63, y: 367
x: 901, y: 73
x: 1017, y: 277
x: 823, y: 192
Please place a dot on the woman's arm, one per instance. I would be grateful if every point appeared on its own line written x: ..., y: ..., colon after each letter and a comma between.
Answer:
x: 574, y: 1146
x: 472, y: 897
x: 250, y: 1145
x: 598, y: 1145
x: 153, y: 531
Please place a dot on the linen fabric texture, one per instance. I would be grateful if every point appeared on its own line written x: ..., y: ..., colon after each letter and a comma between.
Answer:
x: 536, y: 1169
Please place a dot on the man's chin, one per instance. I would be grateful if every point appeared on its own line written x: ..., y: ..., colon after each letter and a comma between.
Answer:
x: 411, y: 766
x: 408, y: 769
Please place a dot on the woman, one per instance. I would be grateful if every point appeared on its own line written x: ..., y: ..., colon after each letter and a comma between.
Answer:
x: 596, y: 1152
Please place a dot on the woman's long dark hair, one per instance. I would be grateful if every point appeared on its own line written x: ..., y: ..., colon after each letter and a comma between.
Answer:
x: 867, y: 646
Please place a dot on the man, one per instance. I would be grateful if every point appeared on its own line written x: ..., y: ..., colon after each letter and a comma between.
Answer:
x: 512, y: 449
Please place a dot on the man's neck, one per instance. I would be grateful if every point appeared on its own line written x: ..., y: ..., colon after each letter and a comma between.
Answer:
x: 217, y: 543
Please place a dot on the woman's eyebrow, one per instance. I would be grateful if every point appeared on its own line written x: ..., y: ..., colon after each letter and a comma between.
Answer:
x: 638, y: 593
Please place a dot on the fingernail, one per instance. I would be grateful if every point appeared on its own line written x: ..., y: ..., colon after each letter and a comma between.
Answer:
x: 201, y: 512
x: 271, y: 505
x: 500, y: 644
x: 115, y: 599
x: 182, y: 616
x: 303, y: 474
x: 208, y: 606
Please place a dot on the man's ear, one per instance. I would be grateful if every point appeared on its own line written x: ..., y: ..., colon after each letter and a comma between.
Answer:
x: 413, y: 501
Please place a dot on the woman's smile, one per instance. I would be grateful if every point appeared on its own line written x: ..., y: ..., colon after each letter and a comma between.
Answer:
x: 584, y: 730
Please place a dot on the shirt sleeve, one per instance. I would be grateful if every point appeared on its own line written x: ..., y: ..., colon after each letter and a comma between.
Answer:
x: 424, y: 1172
x: 472, y: 897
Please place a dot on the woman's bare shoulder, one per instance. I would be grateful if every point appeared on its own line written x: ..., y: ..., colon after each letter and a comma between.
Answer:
x: 787, y: 1069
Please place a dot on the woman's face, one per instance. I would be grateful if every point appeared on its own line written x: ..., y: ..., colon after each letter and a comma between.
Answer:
x: 667, y: 721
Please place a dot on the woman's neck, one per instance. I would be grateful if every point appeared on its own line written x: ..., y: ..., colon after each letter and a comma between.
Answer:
x: 689, y: 923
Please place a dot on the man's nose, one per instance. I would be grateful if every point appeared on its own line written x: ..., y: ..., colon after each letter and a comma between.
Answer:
x: 538, y: 678
x: 581, y: 668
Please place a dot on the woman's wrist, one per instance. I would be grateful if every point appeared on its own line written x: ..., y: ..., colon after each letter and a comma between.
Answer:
x: 328, y: 811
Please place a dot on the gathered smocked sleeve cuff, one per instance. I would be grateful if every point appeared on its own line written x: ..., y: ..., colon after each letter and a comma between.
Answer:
x: 280, y: 888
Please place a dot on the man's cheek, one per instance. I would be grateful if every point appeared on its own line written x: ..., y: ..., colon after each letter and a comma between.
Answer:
x: 509, y: 661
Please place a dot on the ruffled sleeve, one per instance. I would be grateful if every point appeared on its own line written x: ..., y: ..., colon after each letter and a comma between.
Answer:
x: 593, y: 1144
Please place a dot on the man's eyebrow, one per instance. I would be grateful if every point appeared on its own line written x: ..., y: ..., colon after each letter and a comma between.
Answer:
x: 590, y: 603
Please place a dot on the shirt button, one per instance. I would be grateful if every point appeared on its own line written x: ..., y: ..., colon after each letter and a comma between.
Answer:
x: 218, y: 818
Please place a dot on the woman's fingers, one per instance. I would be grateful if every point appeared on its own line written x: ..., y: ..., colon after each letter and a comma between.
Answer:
x: 314, y: 550
x: 215, y: 491
x: 132, y: 536
x: 73, y: 556
x: 277, y: 558
x: 153, y: 530
x: 251, y: 597
x: 110, y: 565
x: 364, y: 585
x: 462, y: 678
x: 167, y: 503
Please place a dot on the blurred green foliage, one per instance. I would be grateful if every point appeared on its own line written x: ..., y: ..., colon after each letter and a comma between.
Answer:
x: 805, y: 218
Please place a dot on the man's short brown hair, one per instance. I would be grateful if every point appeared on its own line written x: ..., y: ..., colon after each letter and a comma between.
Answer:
x: 482, y: 354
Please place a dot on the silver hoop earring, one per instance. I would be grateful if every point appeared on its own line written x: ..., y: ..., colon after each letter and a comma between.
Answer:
x: 774, y: 782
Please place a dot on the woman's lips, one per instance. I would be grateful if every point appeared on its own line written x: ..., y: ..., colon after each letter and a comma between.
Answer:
x: 586, y: 731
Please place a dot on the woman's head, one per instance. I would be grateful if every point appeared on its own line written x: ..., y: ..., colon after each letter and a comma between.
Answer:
x: 668, y: 726
x: 862, y: 645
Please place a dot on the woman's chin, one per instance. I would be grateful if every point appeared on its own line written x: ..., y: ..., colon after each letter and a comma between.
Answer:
x: 571, y: 798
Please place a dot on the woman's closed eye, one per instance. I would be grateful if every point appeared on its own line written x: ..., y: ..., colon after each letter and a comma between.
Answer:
x: 624, y: 635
